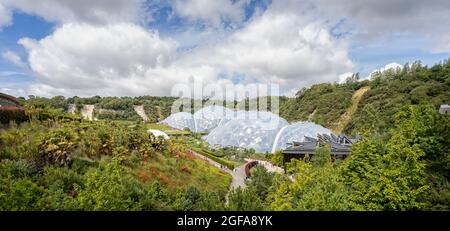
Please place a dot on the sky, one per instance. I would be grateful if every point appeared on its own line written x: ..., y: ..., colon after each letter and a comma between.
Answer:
x: 144, y: 47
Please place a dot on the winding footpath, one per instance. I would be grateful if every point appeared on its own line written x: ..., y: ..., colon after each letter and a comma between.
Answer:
x: 238, y: 174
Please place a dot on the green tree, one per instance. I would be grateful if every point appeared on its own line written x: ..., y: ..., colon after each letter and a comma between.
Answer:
x: 111, y: 187
x: 386, y: 177
x: 260, y: 181
x: 244, y: 200
x: 277, y: 158
x: 19, y: 195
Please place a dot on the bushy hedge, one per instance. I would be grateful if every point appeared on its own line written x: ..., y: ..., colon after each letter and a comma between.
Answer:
x: 226, y: 163
x: 10, y: 113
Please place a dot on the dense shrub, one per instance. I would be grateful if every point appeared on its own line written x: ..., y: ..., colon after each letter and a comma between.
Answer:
x: 57, y: 146
x: 10, y: 113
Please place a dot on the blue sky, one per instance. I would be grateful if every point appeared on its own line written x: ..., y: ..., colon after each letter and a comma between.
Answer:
x: 24, y: 26
x: 291, y: 43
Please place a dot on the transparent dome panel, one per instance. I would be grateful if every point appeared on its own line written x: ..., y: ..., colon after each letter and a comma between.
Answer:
x: 248, y: 130
x: 180, y: 120
x: 208, y: 118
x: 297, y: 132
x: 263, y: 116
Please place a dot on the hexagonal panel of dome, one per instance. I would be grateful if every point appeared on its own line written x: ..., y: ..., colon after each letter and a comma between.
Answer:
x: 208, y: 118
x: 180, y: 120
x: 256, y: 130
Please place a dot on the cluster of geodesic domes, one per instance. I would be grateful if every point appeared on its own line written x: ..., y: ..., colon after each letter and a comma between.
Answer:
x: 259, y: 130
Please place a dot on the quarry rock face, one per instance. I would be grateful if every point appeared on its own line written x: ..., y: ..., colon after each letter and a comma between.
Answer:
x: 139, y: 109
x: 87, y: 112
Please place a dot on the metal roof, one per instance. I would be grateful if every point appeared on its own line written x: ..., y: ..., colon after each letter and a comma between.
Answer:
x: 339, y: 145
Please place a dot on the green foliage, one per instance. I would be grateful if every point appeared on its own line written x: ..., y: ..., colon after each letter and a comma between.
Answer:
x: 19, y: 195
x: 389, y: 91
x: 425, y: 128
x: 56, y: 147
x: 110, y: 187
x: 314, y: 103
x: 393, y: 89
x: 277, y: 158
x: 322, y: 156
x: 102, y: 165
x: 16, y: 169
x: 211, y: 201
x: 386, y: 178
x: 8, y: 114
x: 61, y: 178
x: 244, y: 200
x: 114, y: 108
x: 260, y: 181
x: 316, y: 186
x: 219, y: 160
x: 322, y: 190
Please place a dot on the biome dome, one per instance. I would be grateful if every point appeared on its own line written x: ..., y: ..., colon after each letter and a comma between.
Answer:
x: 260, y: 130
x: 180, y: 120
x: 297, y: 132
x: 209, y: 117
x: 248, y: 130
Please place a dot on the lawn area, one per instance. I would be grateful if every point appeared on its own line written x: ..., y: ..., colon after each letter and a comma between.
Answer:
x: 156, y: 126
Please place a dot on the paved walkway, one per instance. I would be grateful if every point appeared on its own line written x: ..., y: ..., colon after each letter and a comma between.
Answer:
x: 269, y: 166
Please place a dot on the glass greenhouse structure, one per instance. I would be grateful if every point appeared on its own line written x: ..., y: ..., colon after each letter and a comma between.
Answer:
x: 181, y: 120
x: 259, y: 130
x: 297, y: 132
x: 252, y: 129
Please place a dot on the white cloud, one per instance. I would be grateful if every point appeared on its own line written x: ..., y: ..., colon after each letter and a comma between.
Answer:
x: 390, y: 66
x: 279, y: 48
x: 122, y: 57
x: 5, y: 16
x: 13, y: 58
x: 213, y: 12
x: 291, y: 93
x: 10, y: 73
x: 97, y: 12
x: 125, y: 59
x: 369, y: 20
x: 343, y: 77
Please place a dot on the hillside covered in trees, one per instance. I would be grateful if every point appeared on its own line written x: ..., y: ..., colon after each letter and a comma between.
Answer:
x: 110, y: 108
x: 386, y: 93
x: 327, y: 104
